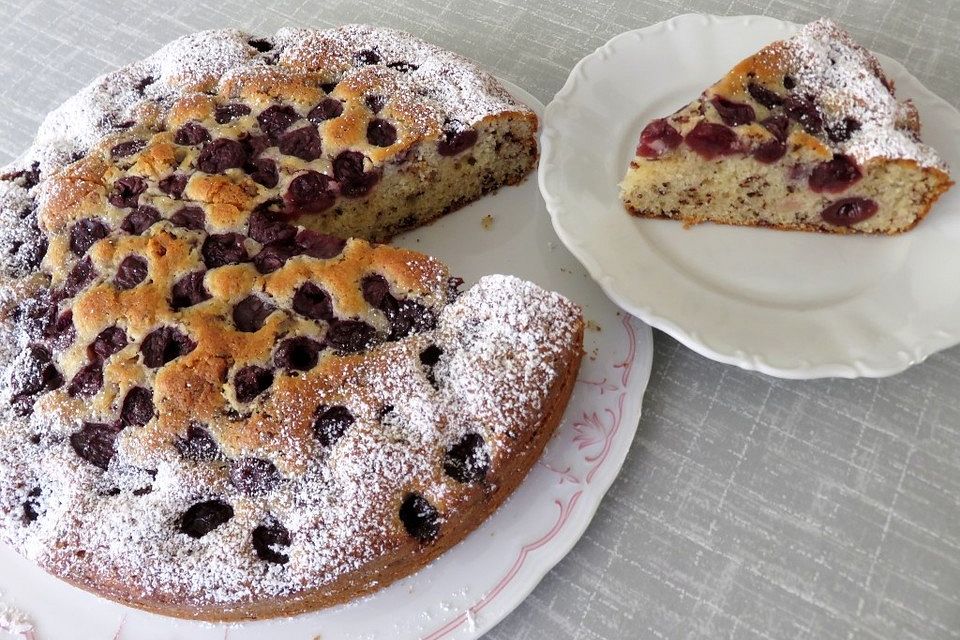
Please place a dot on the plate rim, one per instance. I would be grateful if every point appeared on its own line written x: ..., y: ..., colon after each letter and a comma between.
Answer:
x: 682, y: 330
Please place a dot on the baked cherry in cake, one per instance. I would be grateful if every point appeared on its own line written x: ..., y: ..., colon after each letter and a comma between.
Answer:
x: 220, y: 397
x: 806, y: 134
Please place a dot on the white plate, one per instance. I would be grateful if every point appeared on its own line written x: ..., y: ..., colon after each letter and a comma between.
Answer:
x: 794, y: 305
x: 474, y: 585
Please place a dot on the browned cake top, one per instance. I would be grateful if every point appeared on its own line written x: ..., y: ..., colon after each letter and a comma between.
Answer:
x: 211, y: 403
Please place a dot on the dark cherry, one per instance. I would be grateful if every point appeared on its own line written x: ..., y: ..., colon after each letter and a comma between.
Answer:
x: 131, y: 271
x: 350, y: 336
x: 467, y: 460
x: 29, y: 178
x: 254, y: 145
x: 38, y: 373
x: 139, y: 220
x: 375, y: 289
x: 456, y: 138
x: 263, y: 171
x: 87, y: 381
x: 127, y: 148
x: 848, y: 211
x: 84, y: 233
x: 711, y: 140
x: 381, y: 133
x: 764, y: 96
x: 31, y: 506
x: 328, y: 109
x: 188, y: 291
x: 192, y: 218
x: 266, y: 226
x: 228, y: 112
x: 778, y: 125
x: 319, y: 245
x: 309, y: 192
x: 431, y: 355
x: 313, y: 302
x: 331, y: 423
x: 164, y: 345
x: 127, y: 190
x: 804, y: 110
x: 275, y: 120
x: 32, y: 253
x: 221, y: 249
x: 297, y: 354
x: 420, y: 518
x: 328, y: 87
x: 191, y: 133
x: 268, y: 538
x: 220, y: 155
x: 79, y: 277
x: 108, y: 342
x: 733, y: 113
x: 197, y: 444
x: 789, y: 83
x: 62, y: 332
x: 367, y: 57
x: 408, y: 317
x: 403, y: 66
x: 348, y: 169
x: 841, y: 131
x: 836, y: 175
x: 204, y: 517
x: 174, y: 185
x: 260, y: 44
x: 96, y: 443
x: 137, y: 408
x: 143, y: 83
x: 375, y: 103
x: 274, y: 255
x: 254, y: 476
x: 302, y: 142
x: 770, y: 151
x: 657, y: 138
x: 251, y: 381
x: 250, y: 313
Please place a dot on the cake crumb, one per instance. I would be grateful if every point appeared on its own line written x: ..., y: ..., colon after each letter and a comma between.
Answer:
x: 593, y: 326
x: 486, y: 222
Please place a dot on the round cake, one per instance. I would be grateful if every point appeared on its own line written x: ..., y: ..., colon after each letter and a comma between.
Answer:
x: 220, y: 398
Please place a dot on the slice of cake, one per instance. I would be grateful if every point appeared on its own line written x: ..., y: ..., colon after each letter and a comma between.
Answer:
x: 806, y: 134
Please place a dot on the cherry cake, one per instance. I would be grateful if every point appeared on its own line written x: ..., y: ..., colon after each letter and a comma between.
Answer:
x: 806, y: 134
x: 220, y: 398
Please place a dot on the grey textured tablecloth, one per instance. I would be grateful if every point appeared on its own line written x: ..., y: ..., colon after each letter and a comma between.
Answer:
x: 748, y: 507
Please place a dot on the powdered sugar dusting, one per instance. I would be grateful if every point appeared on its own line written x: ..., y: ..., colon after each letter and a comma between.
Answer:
x: 846, y: 81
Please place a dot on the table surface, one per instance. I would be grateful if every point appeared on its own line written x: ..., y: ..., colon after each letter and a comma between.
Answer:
x: 748, y: 507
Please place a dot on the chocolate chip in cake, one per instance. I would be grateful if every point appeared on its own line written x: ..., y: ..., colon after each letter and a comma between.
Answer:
x: 85, y: 233
x: 309, y: 192
x: 164, y: 345
x: 254, y: 476
x: 108, y: 342
x: 79, y: 277
x: 139, y: 220
x: 268, y: 538
x: 420, y: 518
x: 331, y: 423
x: 263, y: 171
x: 313, y: 302
x: 204, y: 517
x: 137, y: 408
x: 191, y: 133
x: 127, y: 190
x: 789, y: 83
x: 297, y: 354
x: 467, y: 460
x: 381, y: 133
x: 228, y: 112
x: 764, y: 96
x: 348, y: 169
x: 456, y: 138
x: 403, y: 66
x: 174, y: 185
x: 221, y: 249
x: 302, y: 142
x: 131, y: 271
x: 274, y: 120
x: 328, y: 109
x: 733, y: 113
x: 188, y: 291
x: 250, y: 313
x: 127, y: 148
x: 96, y: 443
x: 220, y: 155
x: 192, y: 218
x: 197, y: 444
x: 367, y: 57
x: 251, y: 381
x: 319, y: 245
